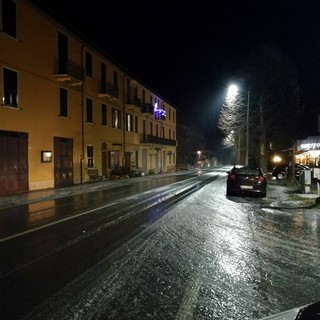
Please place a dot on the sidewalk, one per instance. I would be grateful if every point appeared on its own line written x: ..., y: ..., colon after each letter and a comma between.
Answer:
x: 287, y: 194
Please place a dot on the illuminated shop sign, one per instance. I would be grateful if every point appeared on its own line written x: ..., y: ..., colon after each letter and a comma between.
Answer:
x: 310, y: 146
x: 311, y: 143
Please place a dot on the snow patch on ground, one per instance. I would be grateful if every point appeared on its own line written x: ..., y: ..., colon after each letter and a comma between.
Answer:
x: 286, y: 195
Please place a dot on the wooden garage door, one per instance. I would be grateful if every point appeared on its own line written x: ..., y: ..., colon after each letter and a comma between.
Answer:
x: 13, y: 162
x: 63, y: 162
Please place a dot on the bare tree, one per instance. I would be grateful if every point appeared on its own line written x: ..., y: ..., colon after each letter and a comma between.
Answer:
x: 275, y: 107
x: 231, y: 122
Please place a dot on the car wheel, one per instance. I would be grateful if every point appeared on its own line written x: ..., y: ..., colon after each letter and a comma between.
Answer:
x: 280, y: 176
x: 228, y: 193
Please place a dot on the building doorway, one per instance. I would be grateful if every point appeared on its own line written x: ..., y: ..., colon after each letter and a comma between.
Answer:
x: 63, y: 162
x: 13, y: 162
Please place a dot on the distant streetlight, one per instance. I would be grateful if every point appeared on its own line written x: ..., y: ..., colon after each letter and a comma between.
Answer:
x: 232, y: 93
x: 277, y: 159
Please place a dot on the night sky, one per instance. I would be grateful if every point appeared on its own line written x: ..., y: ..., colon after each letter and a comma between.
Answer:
x: 189, y: 51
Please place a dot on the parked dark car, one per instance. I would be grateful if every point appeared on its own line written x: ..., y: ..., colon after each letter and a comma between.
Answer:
x: 281, y: 171
x: 246, y: 180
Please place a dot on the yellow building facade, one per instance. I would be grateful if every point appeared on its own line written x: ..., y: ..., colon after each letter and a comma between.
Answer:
x: 69, y: 113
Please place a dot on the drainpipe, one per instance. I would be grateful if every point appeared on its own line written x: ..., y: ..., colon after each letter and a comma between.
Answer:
x: 82, y: 135
x: 124, y: 121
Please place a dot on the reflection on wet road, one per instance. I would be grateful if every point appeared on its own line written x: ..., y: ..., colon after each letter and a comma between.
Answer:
x: 16, y: 219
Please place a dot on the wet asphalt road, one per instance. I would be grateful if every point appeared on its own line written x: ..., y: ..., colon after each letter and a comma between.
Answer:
x: 207, y: 257
x: 53, y: 242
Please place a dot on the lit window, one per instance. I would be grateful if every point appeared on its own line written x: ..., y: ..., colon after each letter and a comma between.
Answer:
x: 129, y: 122
x: 90, y: 156
x: 116, y: 118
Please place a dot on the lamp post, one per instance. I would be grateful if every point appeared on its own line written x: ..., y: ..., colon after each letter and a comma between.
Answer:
x: 199, y: 158
x: 232, y: 93
x: 247, y: 131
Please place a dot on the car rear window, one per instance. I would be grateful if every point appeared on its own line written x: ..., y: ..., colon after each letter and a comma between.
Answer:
x: 247, y: 170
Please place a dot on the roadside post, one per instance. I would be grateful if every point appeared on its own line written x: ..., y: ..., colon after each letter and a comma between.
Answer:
x: 316, y: 175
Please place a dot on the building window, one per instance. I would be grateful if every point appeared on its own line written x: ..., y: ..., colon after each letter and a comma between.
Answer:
x: 90, y: 156
x: 63, y: 103
x: 151, y: 129
x: 9, y: 23
x: 116, y: 118
x: 114, y: 159
x: 103, y: 87
x: 115, y: 80
x: 89, y: 111
x: 103, y: 114
x: 88, y: 65
x: 129, y: 122
x: 169, y: 133
x: 170, y: 156
x: 10, y: 88
x: 136, y: 125
x: 144, y: 128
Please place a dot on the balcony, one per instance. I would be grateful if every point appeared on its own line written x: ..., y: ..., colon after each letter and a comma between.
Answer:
x: 133, y: 103
x: 68, y: 72
x: 147, y: 108
x: 107, y: 91
x: 157, y: 140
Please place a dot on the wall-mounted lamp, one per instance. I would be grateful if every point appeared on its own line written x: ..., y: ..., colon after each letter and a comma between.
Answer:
x: 46, y: 156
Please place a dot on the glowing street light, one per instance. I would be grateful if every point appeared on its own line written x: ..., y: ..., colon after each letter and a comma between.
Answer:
x: 231, y: 95
x: 277, y: 159
x: 232, y: 92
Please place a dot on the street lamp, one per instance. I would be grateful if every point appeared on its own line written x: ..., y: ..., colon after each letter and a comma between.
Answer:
x: 232, y: 92
x: 247, y: 131
x: 199, y: 158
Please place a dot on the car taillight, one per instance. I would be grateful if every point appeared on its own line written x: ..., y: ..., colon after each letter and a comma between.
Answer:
x: 262, y: 179
x: 232, y: 177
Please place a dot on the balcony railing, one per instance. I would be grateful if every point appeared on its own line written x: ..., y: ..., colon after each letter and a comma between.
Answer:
x: 147, y: 108
x: 108, y: 90
x: 68, y: 71
x: 157, y: 140
x: 133, y: 102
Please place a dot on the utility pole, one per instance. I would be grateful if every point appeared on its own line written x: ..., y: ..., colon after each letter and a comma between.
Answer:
x: 247, y: 132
